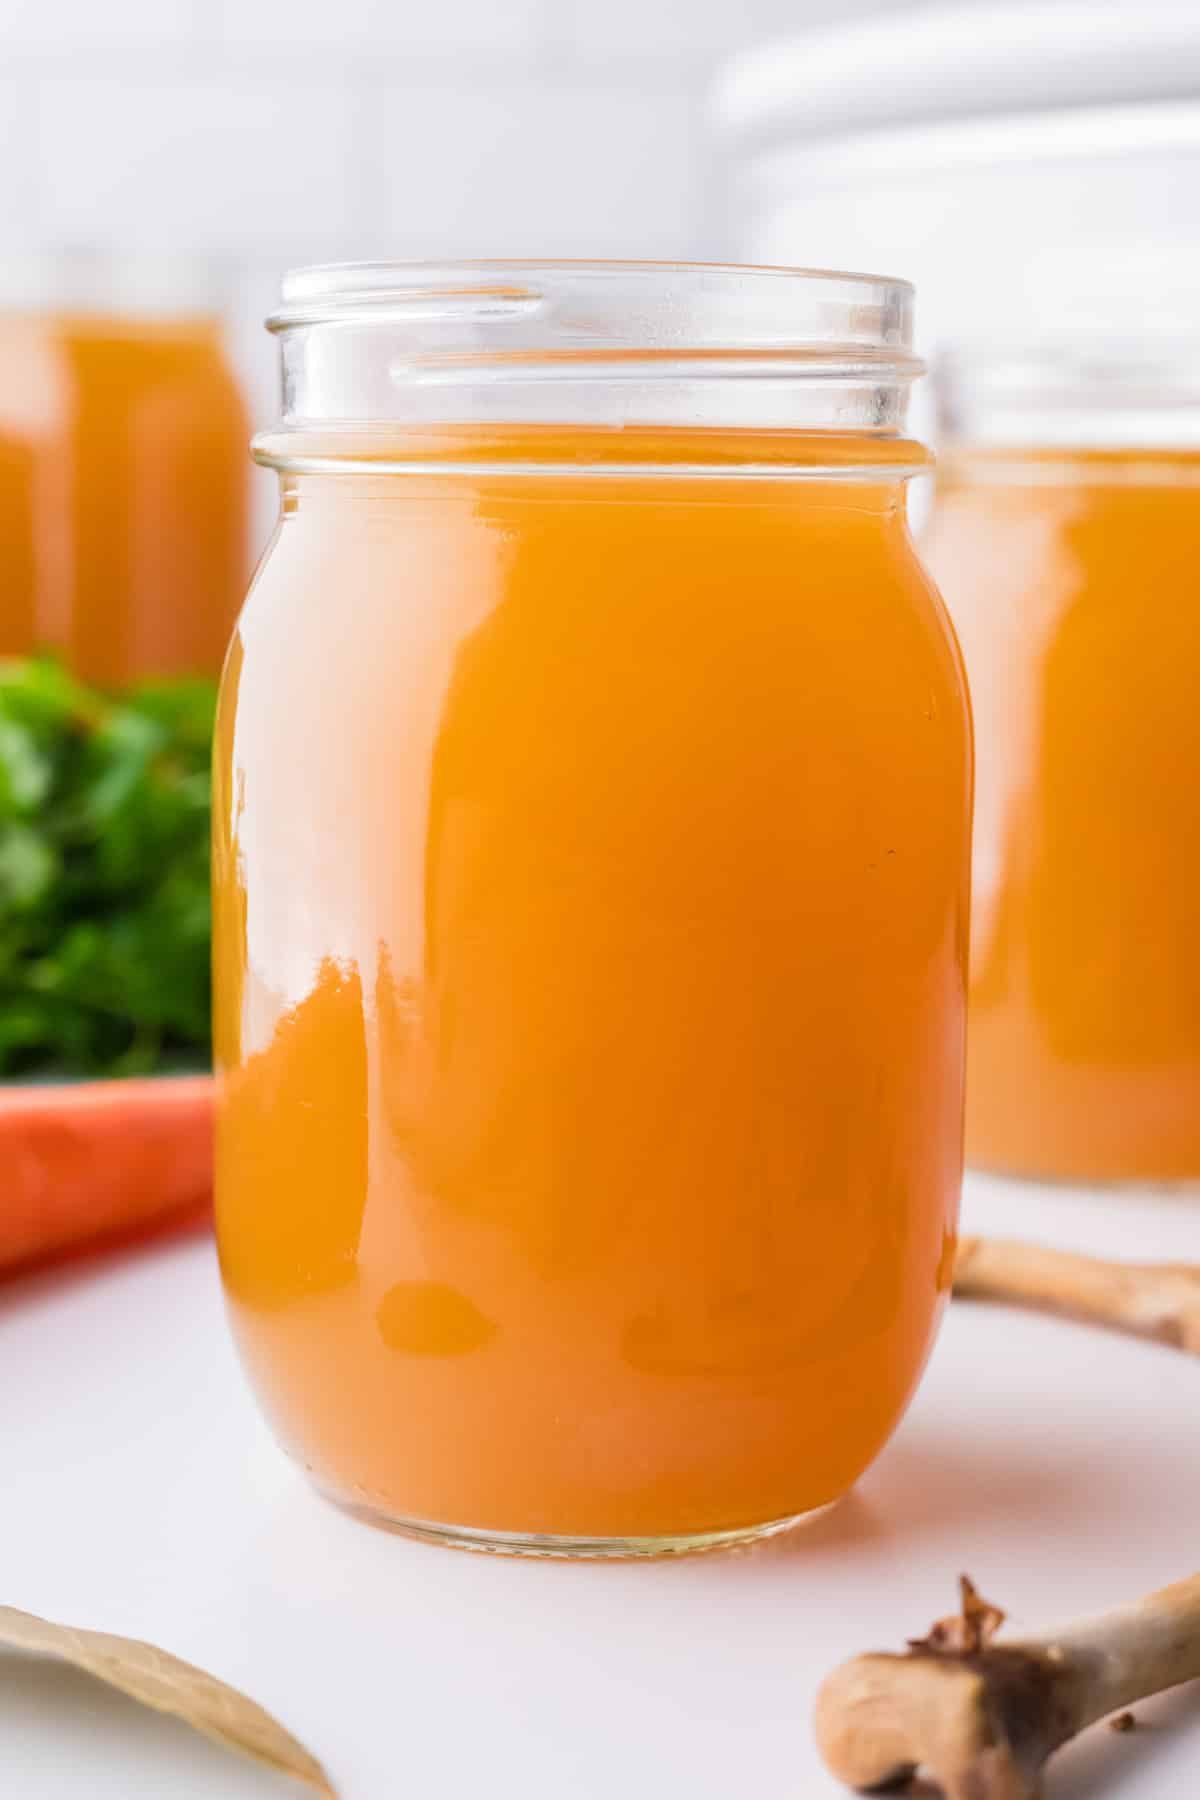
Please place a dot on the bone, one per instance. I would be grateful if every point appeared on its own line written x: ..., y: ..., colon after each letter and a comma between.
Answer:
x: 1150, y: 1300
x: 982, y: 1718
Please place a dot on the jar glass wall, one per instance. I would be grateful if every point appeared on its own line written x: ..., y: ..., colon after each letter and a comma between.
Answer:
x: 591, y: 842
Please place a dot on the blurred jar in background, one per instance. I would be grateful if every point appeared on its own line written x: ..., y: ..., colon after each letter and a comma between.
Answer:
x: 123, y: 469
x: 1066, y: 538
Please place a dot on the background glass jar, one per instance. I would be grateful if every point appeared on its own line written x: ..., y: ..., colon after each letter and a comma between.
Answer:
x: 591, y: 842
x: 123, y: 474
x: 1066, y: 538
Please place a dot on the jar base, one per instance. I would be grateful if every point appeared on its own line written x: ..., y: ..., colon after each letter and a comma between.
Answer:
x: 569, y: 1547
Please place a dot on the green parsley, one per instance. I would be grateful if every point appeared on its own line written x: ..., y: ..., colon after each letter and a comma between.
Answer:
x: 104, y: 897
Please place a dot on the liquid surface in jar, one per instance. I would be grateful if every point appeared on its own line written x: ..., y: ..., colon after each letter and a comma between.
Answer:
x: 123, y: 494
x: 591, y: 928
x: 1072, y: 580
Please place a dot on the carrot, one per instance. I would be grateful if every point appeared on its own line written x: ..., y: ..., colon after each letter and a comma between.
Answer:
x: 83, y: 1164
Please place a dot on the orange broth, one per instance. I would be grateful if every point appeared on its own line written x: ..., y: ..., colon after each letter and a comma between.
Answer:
x: 591, y: 910
x: 1072, y: 578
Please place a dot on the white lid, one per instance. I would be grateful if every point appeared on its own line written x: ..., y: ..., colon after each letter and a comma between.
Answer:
x: 956, y: 62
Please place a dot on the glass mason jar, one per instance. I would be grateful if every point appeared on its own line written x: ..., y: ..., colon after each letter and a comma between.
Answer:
x: 123, y: 472
x: 591, y: 843
x: 1066, y: 538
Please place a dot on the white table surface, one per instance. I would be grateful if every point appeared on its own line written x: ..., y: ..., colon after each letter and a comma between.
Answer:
x: 139, y: 1493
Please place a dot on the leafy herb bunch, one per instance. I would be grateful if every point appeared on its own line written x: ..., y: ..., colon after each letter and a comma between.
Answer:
x: 104, y: 896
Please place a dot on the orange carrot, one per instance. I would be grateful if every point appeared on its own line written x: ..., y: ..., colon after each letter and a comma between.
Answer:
x: 83, y: 1164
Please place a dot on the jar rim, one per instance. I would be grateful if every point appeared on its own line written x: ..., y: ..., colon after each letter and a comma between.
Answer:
x: 602, y: 343
x: 504, y: 286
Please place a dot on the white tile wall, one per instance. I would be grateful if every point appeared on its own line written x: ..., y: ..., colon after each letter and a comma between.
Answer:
x: 692, y: 31
x: 554, y: 167
x: 68, y: 28
x: 205, y: 162
x: 383, y: 27
x: 680, y: 29
x: 285, y: 128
